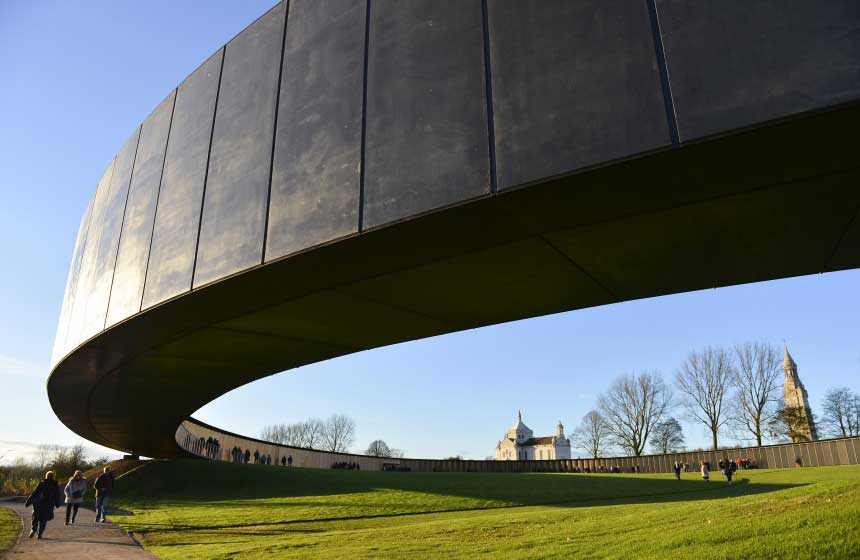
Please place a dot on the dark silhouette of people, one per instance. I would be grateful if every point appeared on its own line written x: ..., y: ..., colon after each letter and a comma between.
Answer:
x: 283, y: 461
x: 44, y: 499
x: 268, y: 459
x: 290, y: 461
x: 256, y: 456
x: 677, y: 468
x: 247, y: 456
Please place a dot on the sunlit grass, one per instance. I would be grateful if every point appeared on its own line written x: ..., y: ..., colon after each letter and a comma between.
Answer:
x: 10, y: 528
x: 198, y: 509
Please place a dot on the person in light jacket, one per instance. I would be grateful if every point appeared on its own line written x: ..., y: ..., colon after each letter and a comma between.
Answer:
x: 75, y: 489
x: 706, y: 471
x: 44, y: 499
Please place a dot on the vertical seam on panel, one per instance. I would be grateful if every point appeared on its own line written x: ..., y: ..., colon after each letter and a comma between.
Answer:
x: 206, y: 174
x: 666, y: 85
x: 84, y: 309
x: 78, y: 273
x: 275, y: 132
x: 488, y: 79
x: 363, y: 149
x: 157, y: 195
x: 122, y: 223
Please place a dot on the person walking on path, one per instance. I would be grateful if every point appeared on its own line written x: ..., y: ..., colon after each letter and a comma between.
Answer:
x: 677, y: 469
x: 104, y: 486
x: 75, y: 488
x: 706, y: 471
x: 44, y: 499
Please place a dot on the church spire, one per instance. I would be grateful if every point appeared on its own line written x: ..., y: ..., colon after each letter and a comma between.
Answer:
x: 797, y: 399
x: 788, y: 362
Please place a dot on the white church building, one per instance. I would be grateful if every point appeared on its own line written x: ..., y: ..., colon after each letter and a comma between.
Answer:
x: 520, y: 444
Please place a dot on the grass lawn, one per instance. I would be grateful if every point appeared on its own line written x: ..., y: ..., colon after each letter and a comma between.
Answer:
x: 10, y: 528
x: 199, y: 509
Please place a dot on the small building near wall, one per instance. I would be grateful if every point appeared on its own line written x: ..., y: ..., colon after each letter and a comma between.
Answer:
x: 520, y: 444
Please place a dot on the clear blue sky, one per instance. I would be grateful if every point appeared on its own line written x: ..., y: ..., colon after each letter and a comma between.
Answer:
x: 79, y: 77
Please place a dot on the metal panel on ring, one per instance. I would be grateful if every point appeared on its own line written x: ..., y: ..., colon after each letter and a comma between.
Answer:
x: 316, y: 170
x: 132, y: 258
x: 237, y: 185
x: 427, y: 139
x: 177, y: 217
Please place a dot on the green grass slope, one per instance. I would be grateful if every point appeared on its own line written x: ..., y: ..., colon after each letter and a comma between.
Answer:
x: 198, y: 509
x: 10, y: 528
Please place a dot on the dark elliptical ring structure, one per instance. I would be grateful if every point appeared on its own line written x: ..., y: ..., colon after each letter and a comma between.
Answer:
x: 348, y: 174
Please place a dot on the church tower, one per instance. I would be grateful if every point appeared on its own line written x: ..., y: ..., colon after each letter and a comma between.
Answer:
x: 797, y: 399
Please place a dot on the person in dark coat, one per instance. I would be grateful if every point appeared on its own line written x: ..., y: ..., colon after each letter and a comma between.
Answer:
x: 44, y: 499
x: 247, y: 456
x: 677, y: 469
x: 290, y: 461
x: 104, y: 485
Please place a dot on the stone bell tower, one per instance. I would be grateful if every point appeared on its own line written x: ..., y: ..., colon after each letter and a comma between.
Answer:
x: 797, y: 399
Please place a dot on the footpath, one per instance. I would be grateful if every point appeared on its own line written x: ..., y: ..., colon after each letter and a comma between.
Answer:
x: 83, y: 540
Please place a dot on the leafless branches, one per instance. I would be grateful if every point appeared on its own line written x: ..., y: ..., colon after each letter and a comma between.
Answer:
x: 756, y: 380
x: 378, y: 448
x: 704, y: 380
x: 592, y: 435
x: 306, y: 434
x: 667, y: 437
x: 841, y: 412
x: 338, y: 433
x: 632, y: 405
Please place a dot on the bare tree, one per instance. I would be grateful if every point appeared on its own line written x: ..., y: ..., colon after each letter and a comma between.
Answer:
x: 704, y: 380
x: 667, y: 437
x: 378, y: 448
x: 300, y: 434
x: 592, y: 435
x: 841, y: 412
x: 338, y: 433
x: 756, y: 380
x: 631, y: 407
x: 310, y: 433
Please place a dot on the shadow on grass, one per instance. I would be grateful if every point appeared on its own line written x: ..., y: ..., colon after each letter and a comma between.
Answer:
x: 657, y: 491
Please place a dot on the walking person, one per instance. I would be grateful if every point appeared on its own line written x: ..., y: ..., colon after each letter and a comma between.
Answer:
x: 44, y: 499
x: 677, y: 469
x: 730, y: 470
x: 75, y: 488
x: 104, y: 486
x: 706, y: 471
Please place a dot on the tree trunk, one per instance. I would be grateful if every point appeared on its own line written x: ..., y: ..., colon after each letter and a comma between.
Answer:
x: 714, y: 433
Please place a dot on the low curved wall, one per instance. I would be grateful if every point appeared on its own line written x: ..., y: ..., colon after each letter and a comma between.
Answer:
x: 192, y: 435
x: 842, y: 451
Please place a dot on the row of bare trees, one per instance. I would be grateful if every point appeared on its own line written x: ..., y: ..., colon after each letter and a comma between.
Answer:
x: 336, y: 433
x: 732, y: 391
